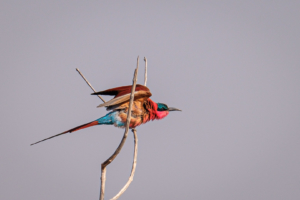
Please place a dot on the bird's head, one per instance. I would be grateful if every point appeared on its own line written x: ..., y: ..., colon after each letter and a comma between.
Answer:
x: 163, y: 110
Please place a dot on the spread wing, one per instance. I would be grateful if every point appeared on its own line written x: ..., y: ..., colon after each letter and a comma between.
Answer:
x: 122, y: 96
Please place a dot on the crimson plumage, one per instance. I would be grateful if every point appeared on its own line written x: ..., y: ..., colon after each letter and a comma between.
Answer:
x: 143, y: 109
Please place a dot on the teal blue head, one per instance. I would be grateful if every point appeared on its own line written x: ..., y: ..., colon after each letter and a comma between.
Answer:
x: 163, y: 110
x: 162, y: 107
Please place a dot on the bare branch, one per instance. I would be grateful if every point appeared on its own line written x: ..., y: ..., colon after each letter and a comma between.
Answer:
x: 145, y: 59
x: 103, y: 179
x: 114, y: 155
x: 133, y: 167
x: 89, y: 84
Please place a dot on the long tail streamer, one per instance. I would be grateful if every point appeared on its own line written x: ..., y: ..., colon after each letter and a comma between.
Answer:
x: 93, y: 123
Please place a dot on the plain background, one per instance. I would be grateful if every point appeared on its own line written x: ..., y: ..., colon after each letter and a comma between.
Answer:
x: 231, y: 66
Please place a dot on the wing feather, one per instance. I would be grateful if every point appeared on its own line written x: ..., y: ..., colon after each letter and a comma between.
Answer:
x: 125, y: 98
x: 120, y: 91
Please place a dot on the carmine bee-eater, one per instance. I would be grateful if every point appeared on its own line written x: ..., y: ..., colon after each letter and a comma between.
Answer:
x: 143, y: 109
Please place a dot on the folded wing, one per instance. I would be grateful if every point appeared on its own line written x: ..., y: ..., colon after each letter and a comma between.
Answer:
x: 122, y: 96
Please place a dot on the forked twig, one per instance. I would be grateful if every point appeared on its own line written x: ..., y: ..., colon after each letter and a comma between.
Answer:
x: 132, y: 169
x: 89, y: 84
x: 111, y: 158
x: 145, y: 59
x: 114, y: 155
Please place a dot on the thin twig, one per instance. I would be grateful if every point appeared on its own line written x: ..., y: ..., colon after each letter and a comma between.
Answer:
x: 133, y: 166
x: 145, y: 59
x: 114, y: 155
x: 89, y: 84
x: 103, y: 179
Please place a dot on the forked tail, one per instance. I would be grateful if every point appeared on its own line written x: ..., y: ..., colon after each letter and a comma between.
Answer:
x: 93, y: 123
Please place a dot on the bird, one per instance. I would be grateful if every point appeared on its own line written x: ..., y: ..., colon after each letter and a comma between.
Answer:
x: 143, y: 109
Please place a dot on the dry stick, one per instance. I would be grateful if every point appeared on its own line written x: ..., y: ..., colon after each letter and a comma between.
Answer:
x: 135, y: 150
x: 133, y: 167
x: 103, y: 173
x: 89, y: 84
x: 145, y: 59
x: 103, y: 179
x: 114, y: 155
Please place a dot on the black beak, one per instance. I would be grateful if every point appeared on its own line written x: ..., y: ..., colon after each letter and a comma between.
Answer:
x: 174, y: 109
x: 95, y: 93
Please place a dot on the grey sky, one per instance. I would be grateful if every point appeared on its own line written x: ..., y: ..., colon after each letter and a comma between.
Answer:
x: 232, y: 67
